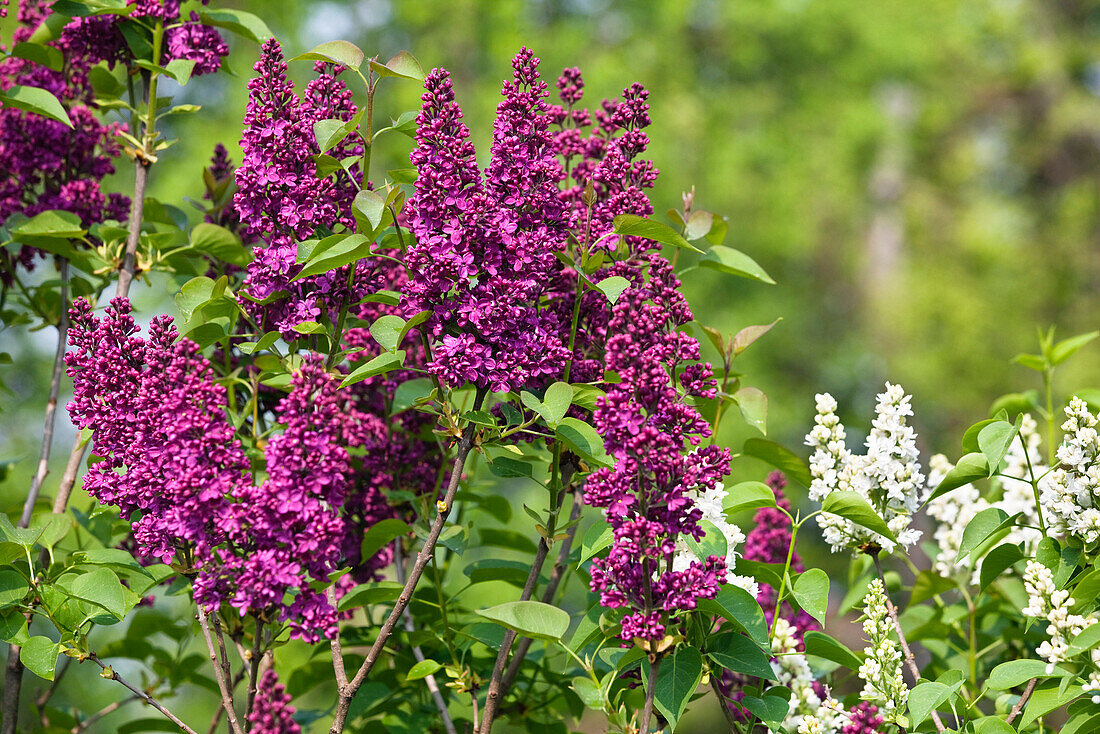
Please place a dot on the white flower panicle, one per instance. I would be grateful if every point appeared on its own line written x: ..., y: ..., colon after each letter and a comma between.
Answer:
x: 884, y: 685
x: 1071, y: 496
x: 953, y: 510
x: 709, y: 503
x: 888, y: 476
x: 793, y: 671
x: 1046, y: 601
x: 829, y: 718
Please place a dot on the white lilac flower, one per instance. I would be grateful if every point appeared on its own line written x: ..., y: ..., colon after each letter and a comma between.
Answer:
x: 829, y: 718
x: 1072, y: 495
x: 888, y: 476
x: 1047, y: 602
x: 884, y: 685
x: 953, y: 510
x: 793, y: 671
x: 709, y: 502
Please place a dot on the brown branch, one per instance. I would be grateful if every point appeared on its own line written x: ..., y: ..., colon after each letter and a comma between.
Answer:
x: 221, y: 709
x: 910, y: 659
x: 137, y: 211
x: 647, y: 712
x: 1022, y: 702
x: 254, y: 669
x: 410, y: 627
x: 51, y: 403
x: 219, y: 671
x: 347, y: 692
x: 105, y: 711
x: 724, y: 703
x: 556, y: 577
x: 110, y: 674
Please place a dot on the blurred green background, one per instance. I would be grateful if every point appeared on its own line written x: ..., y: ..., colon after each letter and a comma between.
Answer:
x: 921, y: 178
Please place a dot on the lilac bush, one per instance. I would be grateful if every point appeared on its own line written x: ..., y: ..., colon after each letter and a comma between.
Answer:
x: 303, y: 487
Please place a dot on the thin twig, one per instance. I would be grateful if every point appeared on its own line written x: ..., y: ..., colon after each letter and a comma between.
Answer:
x: 910, y: 659
x: 647, y: 712
x: 254, y: 669
x: 105, y: 711
x: 725, y: 704
x: 219, y: 673
x: 110, y: 674
x: 410, y: 627
x: 51, y: 403
x: 547, y: 596
x: 347, y: 692
x: 1022, y: 702
x: 221, y: 709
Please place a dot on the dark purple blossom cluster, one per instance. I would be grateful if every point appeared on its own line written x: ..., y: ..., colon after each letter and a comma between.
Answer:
x: 648, y: 427
x: 282, y: 200
x: 170, y: 457
x: 272, y: 712
x: 863, y: 719
x: 485, y: 247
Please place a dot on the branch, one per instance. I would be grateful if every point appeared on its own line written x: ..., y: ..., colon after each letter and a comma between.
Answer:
x: 51, y: 404
x: 647, y: 712
x: 254, y: 669
x: 556, y: 577
x: 108, y: 709
x: 410, y: 627
x: 219, y: 672
x: 910, y: 659
x: 346, y: 693
x: 220, y: 709
x: 1022, y: 702
x: 110, y: 674
x: 725, y: 704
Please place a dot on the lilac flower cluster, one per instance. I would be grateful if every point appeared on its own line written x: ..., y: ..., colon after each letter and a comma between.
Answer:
x: 485, y: 247
x: 645, y: 422
x: 170, y: 456
x: 271, y: 711
x: 281, y: 199
x: 46, y: 164
x: 196, y: 42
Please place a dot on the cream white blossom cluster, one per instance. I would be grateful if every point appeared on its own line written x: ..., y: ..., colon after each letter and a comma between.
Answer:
x: 955, y: 509
x: 1046, y: 601
x: 793, y: 671
x: 888, y: 476
x: 884, y: 685
x: 1071, y: 496
x: 829, y: 718
x: 709, y: 502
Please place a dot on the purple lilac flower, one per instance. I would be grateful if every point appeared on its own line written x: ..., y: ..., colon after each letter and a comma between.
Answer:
x: 646, y: 424
x: 280, y: 197
x: 271, y: 711
x: 484, y: 250
x: 196, y: 42
x: 863, y: 719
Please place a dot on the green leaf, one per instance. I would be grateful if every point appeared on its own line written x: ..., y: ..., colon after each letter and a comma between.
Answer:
x: 995, y: 439
x: 102, y: 588
x: 329, y: 133
x: 381, y: 534
x: 811, y: 591
x: 924, y: 698
x: 741, y: 609
x: 678, y: 676
x: 558, y: 398
x: 747, y: 336
x: 193, y: 294
x: 13, y: 627
x: 970, y: 438
x: 613, y: 287
x: 753, y: 404
x: 1015, y: 402
x: 851, y: 506
x: 530, y: 618
x: 1046, y: 699
x: 49, y: 528
x: 39, y: 53
x: 598, y: 537
x: 997, y: 561
x: 698, y: 224
x: 422, y: 669
x: 737, y: 653
x: 51, y: 224
x: 39, y: 656
x: 374, y: 592
x: 381, y: 364
x: 343, y: 53
x: 980, y: 528
x: 386, y: 330
x: 588, y: 692
x: 734, y: 262
x: 220, y: 243
x: 243, y: 24
x: 498, y: 569
x: 770, y: 709
x: 403, y: 65
x: 36, y: 101
x: 1066, y: 348
x: 583, y: 439
x: 992, y: 725
x: 635, y: 226
x: 970, y: 468
x: 372, y: 206
x: 1031, y: 361
x: 780, y: 457
x: 1017, y: 672
x: 823, y: 646
x: 508, y: 468
x: 1086, y: 640
x: 180, y: 70
x: 13, y: 587
x: 346, y: 249
x: 748, y: 496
